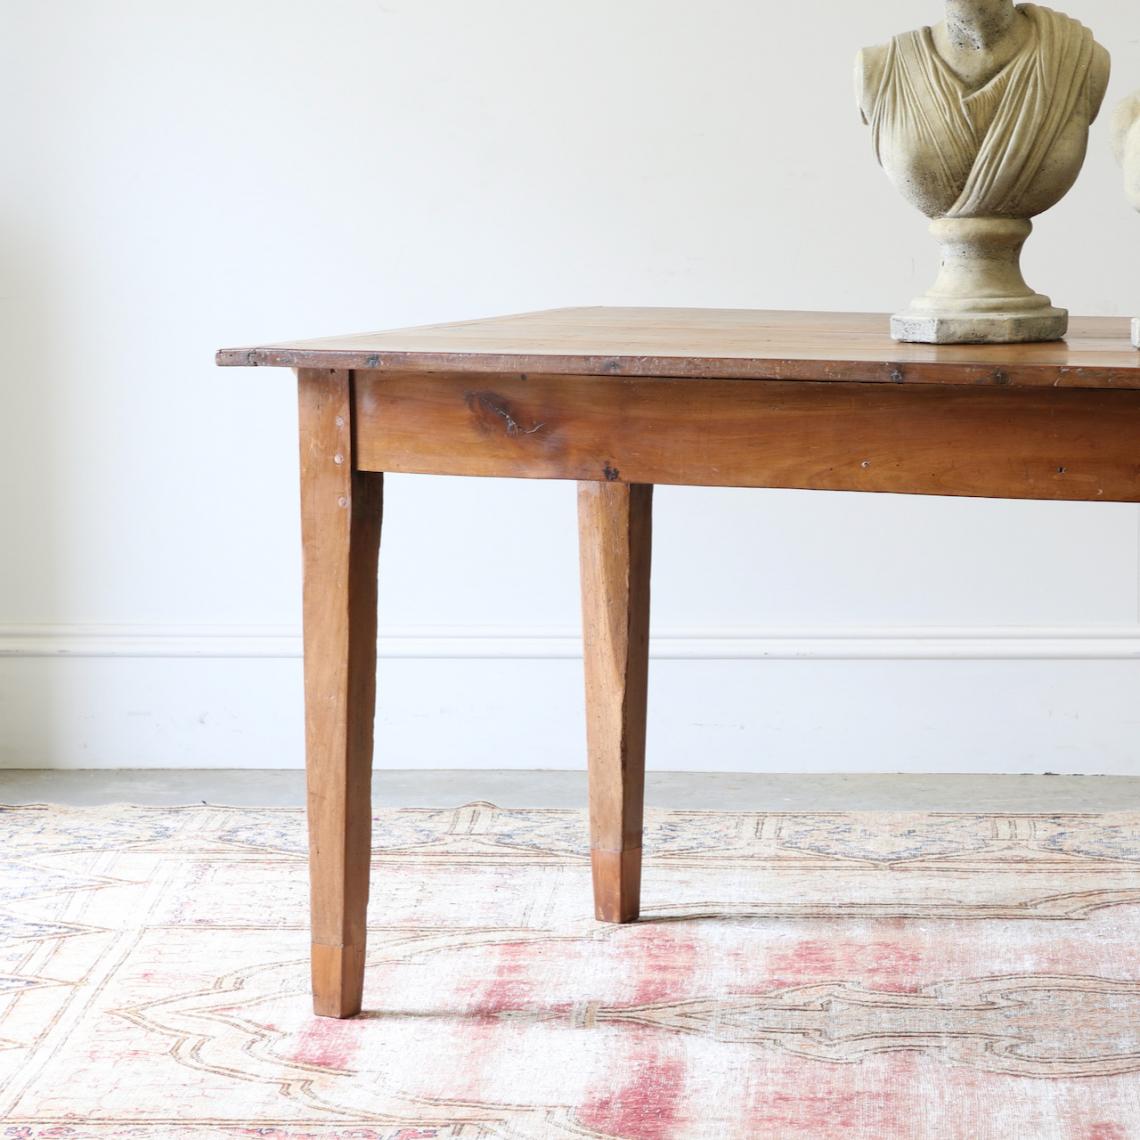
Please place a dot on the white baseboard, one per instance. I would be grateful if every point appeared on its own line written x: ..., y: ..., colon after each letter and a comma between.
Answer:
x: 507, y: 644
x: 832, y: 700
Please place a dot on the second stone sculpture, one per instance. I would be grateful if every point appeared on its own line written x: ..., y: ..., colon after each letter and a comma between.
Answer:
x: 1126, y: 145
x: 982, y: 123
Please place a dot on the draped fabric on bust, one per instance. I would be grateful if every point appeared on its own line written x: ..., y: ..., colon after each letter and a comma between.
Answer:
x: 989, y: 144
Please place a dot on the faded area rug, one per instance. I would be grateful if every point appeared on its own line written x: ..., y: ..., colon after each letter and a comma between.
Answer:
x: 796, y: 976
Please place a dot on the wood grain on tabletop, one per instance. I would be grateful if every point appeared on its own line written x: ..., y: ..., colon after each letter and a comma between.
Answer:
x: 717, y: 344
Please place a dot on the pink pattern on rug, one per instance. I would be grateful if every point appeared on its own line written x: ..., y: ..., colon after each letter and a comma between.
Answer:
x: 325, y: 1043
x: 339, y: 1134
x: 812, y: 1101
x: 663, y: 961
x: 647, y: 1105
x: 511, y: 984
x: 884, y: 966
x: 1106, y: 1132
x: 506, y: 987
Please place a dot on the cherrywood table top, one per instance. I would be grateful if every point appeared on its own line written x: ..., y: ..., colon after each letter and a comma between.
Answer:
x: 737, y: 344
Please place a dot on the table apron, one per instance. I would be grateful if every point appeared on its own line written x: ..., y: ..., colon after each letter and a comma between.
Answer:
x: 991, y: 442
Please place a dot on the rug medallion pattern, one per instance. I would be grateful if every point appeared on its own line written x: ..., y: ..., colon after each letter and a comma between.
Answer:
x: 812, y: 976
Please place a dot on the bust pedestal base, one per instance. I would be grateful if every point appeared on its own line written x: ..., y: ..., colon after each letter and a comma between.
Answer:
x: 983, y: 328
x: 980, y: 296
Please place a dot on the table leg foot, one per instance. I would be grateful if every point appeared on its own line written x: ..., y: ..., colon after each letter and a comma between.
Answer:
x: 338, y: 980
x: 617, y: 885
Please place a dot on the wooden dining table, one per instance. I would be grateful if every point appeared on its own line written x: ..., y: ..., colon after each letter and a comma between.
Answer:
x: 619, y: 400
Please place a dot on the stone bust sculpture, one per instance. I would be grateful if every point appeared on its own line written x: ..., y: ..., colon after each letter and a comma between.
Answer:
x: 982, y: 123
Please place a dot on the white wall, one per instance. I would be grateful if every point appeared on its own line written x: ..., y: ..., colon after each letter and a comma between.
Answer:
x: 181, y: 177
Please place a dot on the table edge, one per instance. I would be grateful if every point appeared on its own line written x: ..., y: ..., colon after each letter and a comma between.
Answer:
x: 885, y: 371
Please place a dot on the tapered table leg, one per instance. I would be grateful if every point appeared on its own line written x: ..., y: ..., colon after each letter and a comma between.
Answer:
x: 615, y: 532
x: 340, y: 517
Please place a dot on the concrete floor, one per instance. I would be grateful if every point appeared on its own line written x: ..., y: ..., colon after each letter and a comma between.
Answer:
x: 707, y: 791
